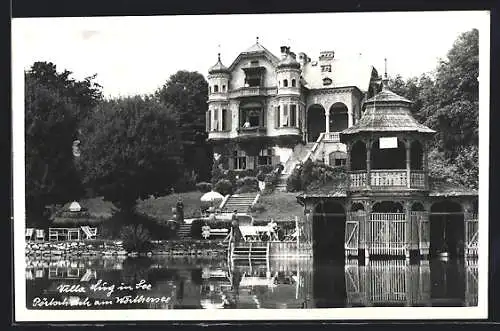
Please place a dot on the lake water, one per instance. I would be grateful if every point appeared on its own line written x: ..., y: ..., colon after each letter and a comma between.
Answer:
x: 165, y: 283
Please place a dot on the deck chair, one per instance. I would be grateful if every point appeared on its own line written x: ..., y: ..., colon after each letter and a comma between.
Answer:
x: 90, y: 233
x: 39, y: 273
x: 29, y: 274
x: 29, y: 233
x: 292, y: 236
x: 89, y: 274
x: 39, y: 235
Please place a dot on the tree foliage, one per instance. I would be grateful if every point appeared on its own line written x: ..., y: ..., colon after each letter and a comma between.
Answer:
x: 55, y: 104
x: 448, y: 102
x: 186, y: 93
x: 130, y: 150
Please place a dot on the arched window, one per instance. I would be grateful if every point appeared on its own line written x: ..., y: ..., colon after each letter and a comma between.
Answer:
x: 223, y: 88
x: 216, y: 88
x: 285, y: 83
x: 357, y: 206
x: 293, y: 83
x: 417, y: 206
x: 387, y: 207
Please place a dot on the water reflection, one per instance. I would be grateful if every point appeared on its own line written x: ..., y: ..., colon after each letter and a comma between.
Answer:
x: 217, y: 284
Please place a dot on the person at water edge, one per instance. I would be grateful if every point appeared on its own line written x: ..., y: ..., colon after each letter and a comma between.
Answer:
x: 235, y: 226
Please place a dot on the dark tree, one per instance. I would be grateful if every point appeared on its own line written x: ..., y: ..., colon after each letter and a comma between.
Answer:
x: 187, y: 94
x: 55, y: 104
x: 130, y: 150
x: 449, y: 104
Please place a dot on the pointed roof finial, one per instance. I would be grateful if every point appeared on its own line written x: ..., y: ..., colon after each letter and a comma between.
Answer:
x: 385, y: 80
x: 218, y: 56
x: 385, y: 69
x: 257, y: 42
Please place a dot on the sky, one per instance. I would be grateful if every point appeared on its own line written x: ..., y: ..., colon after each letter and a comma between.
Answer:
x: 136, y: 55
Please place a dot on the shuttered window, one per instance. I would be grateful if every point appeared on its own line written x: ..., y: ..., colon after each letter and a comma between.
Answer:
x: 293, y: 115
x: 277, y: 116
x: 215, y: 122
x: 285, y: 116
x: 226, y: 120
x: 207, y: 124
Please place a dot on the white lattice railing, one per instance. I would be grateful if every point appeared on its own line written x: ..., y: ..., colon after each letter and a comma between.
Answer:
x: 417, y: 179
x: 392, y: 178
x: 357, y: 179
x: 332, y: 136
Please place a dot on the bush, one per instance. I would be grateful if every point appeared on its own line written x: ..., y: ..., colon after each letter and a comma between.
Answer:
x: 247, y: 184
x: 258, y: 208
x: 111, y: 228
x: 233, y: 174
x: 217, y: 172
x: 315, y: 174
x: 136, y: 238
x: 263, y: 170
x: 224, y: 187
x: 204, y: 187
x: 293, y: 183
x: 196, y: 228
x: 272, y: 179
x: 187, y: 182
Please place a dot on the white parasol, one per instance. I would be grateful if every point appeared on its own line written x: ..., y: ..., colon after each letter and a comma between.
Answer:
x: 211, y: 196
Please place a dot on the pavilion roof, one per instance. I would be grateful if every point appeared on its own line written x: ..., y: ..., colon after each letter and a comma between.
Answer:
x: 387, y: 112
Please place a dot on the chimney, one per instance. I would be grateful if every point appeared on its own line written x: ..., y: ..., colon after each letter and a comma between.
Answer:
x: 326, y: 55
x: 284, y: 51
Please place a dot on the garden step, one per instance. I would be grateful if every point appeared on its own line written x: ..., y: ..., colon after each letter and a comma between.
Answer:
x: 240, y: 202
x: 184, y: 231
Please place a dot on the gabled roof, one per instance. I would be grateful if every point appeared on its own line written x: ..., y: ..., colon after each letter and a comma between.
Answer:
x: 345, y: 72
x: 387, y: 112
x: 255, y: 50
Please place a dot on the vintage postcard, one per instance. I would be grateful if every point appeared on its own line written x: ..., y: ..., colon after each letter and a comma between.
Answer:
x: 325, y: 166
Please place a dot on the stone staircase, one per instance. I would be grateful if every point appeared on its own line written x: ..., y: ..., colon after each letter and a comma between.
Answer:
x: 240, y: 202
x: 184, y: 231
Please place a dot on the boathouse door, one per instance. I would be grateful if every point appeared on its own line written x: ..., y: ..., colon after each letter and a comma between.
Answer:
x: 329, y: 225
x: 447, y: 229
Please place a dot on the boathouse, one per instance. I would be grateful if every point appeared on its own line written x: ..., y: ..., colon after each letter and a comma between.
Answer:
x: 389, y: 206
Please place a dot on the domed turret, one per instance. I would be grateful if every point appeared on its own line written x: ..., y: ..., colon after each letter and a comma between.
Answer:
x: 289, y: 61
x: 218, y: 78
x: 218, y: 67
x: 288, y: 72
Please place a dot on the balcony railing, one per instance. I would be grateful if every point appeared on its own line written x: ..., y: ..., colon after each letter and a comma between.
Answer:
x: 218, y: 96
x: 358, y: 179
x: 252, y: 91
x: 253, y: 130
x: 392, y: 178
x: 417, y: 179
x: 386, y: 179
x: 332, y: 137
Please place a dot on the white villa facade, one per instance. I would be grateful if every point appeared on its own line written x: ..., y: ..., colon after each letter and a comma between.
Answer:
x: 266, y: 110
